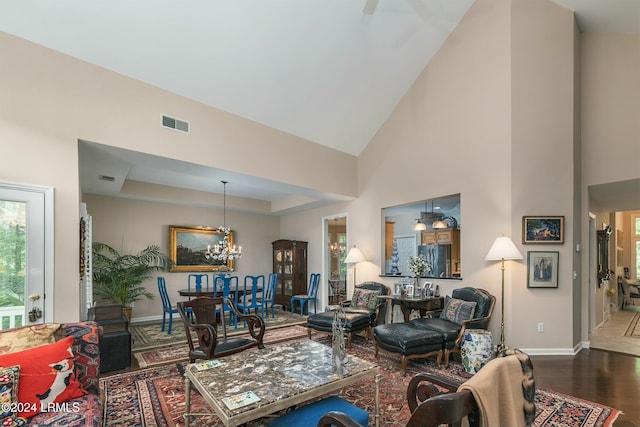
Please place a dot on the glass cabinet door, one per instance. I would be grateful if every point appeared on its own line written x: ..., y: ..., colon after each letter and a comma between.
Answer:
x: 288, y: 287
x: 278, y: 264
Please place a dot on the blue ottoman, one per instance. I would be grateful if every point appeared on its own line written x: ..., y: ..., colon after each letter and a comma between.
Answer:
x: 310, y: 414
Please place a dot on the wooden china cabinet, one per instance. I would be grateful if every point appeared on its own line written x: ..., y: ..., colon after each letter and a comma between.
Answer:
x: 290, y: 264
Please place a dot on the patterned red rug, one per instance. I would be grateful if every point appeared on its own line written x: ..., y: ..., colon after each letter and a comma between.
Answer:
x: 176, y: 353
x: 155, y: 396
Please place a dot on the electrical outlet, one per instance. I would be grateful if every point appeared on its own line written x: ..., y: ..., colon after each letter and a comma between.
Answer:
x: 540, y: 327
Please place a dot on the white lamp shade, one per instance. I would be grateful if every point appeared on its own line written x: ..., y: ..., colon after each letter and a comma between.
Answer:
x: 354, y: 256
x: 503, y: 248
x: 420, y: 226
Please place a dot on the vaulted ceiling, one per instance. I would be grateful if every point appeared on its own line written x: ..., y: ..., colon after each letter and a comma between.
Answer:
x: 300, y: 66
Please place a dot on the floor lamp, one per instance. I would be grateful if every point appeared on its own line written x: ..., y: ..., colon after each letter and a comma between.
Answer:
x: 503, y: 248
x: 354, y: 257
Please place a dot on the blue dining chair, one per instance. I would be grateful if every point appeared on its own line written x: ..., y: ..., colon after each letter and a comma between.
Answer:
x: 269, y: 295
x: 167, y: 309
x: 311, y: 295
x: 195, y: 281
x: 250, y: 299
x: 228, y: 285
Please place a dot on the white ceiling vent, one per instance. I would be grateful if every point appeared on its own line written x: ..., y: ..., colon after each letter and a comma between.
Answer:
x: 175, y: 124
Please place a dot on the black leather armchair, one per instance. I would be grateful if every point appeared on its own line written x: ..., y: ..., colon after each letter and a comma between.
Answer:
x: 377, y: 314
x: 453, y: 333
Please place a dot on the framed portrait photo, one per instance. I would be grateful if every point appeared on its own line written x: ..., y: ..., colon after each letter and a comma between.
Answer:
x: 542, y: 269
x: 542, y: 229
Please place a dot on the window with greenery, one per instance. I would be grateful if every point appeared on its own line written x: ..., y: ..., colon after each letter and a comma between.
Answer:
x: 12, y: 255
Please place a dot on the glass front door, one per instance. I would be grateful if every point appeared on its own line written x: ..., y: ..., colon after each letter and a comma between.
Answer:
x: 22, y: 257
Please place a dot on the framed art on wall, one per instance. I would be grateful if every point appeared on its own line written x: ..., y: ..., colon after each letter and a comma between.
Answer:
x: 542, y: 229
x: 188, y: 246
x: 542, y: 269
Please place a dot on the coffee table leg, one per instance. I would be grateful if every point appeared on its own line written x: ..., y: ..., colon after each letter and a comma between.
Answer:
x: 187, y: 400
x: 377, y: 415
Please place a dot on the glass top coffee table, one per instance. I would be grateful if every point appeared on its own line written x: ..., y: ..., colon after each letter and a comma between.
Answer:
x: 249, y: 385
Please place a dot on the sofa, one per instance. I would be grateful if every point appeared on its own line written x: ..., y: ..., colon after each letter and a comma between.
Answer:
x: 66, y: 391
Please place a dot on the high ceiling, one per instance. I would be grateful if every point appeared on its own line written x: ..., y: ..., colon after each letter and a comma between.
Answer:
x: 301, y: 66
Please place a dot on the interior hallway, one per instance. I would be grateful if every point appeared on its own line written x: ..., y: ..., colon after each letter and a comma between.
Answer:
x: 611, y: 335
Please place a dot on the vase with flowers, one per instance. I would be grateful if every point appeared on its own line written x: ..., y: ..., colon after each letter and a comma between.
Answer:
x: 417, y: 266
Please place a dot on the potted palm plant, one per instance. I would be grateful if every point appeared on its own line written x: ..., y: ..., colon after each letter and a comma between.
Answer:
x: 118, y: 278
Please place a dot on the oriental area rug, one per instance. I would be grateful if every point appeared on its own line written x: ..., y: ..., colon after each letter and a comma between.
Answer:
x: 179, y: 352
x: 145, y: 336
x: 154, y: 397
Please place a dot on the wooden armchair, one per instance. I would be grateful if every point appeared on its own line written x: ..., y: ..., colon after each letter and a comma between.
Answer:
x: 503, y: 394
x: 429, y: 406
x: 206, y: 322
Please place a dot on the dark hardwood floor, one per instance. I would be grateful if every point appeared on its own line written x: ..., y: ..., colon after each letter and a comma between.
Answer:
x: 609, y: 378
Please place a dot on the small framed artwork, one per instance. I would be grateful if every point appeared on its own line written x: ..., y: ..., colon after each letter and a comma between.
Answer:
x: 542, y: 269
x: 397, y: 288
x: 188, y: 247
x: 542, y: 229
x: 409, y: 291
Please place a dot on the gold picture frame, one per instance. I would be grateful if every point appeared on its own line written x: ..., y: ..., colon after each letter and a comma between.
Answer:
x: 188, y: 245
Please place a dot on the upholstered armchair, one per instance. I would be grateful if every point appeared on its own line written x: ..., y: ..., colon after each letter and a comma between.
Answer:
x: 467, y: 308
x: 365, y: 301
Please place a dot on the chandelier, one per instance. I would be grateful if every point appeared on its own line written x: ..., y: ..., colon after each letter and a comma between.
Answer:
x: 224, y: 250
x: 336, y: 248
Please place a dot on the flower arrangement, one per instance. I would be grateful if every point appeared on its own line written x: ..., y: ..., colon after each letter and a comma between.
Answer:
x: 418, y: 265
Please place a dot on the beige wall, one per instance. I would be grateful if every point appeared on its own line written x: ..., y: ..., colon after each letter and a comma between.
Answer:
x: 50, y: 101
x: 129, y: 226
x: 501, y: 90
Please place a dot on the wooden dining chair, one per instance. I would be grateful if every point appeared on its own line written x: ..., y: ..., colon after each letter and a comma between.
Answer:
x: 207, y: 331
x: 310, y: 296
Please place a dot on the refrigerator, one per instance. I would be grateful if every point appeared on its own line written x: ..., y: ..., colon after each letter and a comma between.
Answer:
x: 439, y: 258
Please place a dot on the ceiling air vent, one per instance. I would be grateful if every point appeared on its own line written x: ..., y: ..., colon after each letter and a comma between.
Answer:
x: 175, y: 124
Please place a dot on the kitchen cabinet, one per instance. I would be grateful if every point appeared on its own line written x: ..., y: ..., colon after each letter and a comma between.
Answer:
x: 290, y: 264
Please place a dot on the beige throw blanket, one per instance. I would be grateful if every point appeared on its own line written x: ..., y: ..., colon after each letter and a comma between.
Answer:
x: 497, y: 388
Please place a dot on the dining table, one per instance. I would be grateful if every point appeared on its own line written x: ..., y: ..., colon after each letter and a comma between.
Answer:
x: 193, y: 293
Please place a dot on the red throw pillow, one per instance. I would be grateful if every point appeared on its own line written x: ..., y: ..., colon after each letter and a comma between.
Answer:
x: 46, y: 376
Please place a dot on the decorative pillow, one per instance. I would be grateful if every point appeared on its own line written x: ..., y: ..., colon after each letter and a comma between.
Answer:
x: 9, y: 397
x: 19, y: 339
x: 46, y: 376
x: 361, y: 298
x: 457, y: 310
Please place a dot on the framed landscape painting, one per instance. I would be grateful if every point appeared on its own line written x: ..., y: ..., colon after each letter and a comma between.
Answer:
x: 542, y: 229
x: 188, y: 247
x: 542, y: 269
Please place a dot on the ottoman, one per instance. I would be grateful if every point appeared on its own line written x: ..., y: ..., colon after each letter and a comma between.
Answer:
x: 409, y: 341
x: 355, y: 322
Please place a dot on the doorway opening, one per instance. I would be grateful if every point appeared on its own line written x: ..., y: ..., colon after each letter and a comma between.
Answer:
x: 335, y: 268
